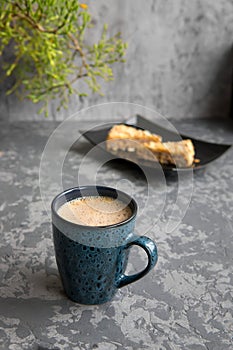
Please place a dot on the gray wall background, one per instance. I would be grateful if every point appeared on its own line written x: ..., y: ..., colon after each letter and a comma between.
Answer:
x: 179, y: 60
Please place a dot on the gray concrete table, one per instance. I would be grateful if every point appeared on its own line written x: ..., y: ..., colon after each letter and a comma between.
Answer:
x: 184, y: 303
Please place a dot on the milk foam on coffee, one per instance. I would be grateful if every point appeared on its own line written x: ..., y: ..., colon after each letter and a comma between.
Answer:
x: 95, y: 211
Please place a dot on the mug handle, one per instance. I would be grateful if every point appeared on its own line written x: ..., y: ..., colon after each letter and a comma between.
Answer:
x: 151, y: 250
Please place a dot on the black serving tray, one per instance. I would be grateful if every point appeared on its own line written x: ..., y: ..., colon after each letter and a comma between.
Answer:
x: 205, y: 152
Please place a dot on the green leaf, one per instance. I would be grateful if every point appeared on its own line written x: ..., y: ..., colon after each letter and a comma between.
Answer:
x: 10, y: 69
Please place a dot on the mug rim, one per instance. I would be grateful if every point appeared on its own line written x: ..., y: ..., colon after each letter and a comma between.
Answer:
x: 86, y: 187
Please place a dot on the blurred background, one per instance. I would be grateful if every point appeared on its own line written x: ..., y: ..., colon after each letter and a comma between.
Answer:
x: 178, y: 62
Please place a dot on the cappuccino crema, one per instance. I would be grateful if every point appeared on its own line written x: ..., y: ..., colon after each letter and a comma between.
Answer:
x: 95, y: 211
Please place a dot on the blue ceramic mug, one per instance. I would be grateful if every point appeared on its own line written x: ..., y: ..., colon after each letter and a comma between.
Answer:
x: 92, y: 260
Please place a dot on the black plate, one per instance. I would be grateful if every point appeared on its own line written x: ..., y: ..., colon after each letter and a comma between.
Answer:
x: 206, y: 152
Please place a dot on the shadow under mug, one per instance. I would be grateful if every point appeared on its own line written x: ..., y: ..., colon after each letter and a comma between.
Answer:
x: 92, y: 260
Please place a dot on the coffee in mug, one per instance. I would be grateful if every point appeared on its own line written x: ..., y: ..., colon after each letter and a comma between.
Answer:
x: 92, y: 250
x: 95, y: 211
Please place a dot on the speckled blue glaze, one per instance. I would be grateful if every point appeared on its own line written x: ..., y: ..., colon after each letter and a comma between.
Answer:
x: 92, y: 260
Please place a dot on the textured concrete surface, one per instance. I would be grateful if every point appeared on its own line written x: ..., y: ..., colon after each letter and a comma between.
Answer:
x: 185, y: 303
x: 179, y: 59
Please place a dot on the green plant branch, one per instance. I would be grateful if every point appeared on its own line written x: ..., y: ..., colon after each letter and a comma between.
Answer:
x: 50, y: 50
x: 78, y: 49
x: 35, y: 25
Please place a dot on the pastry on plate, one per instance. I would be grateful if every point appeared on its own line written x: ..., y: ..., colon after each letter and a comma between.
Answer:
x: 129, y: 139
x: 122, y: 131
x: 145, y: 145
x: 180, y: 153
